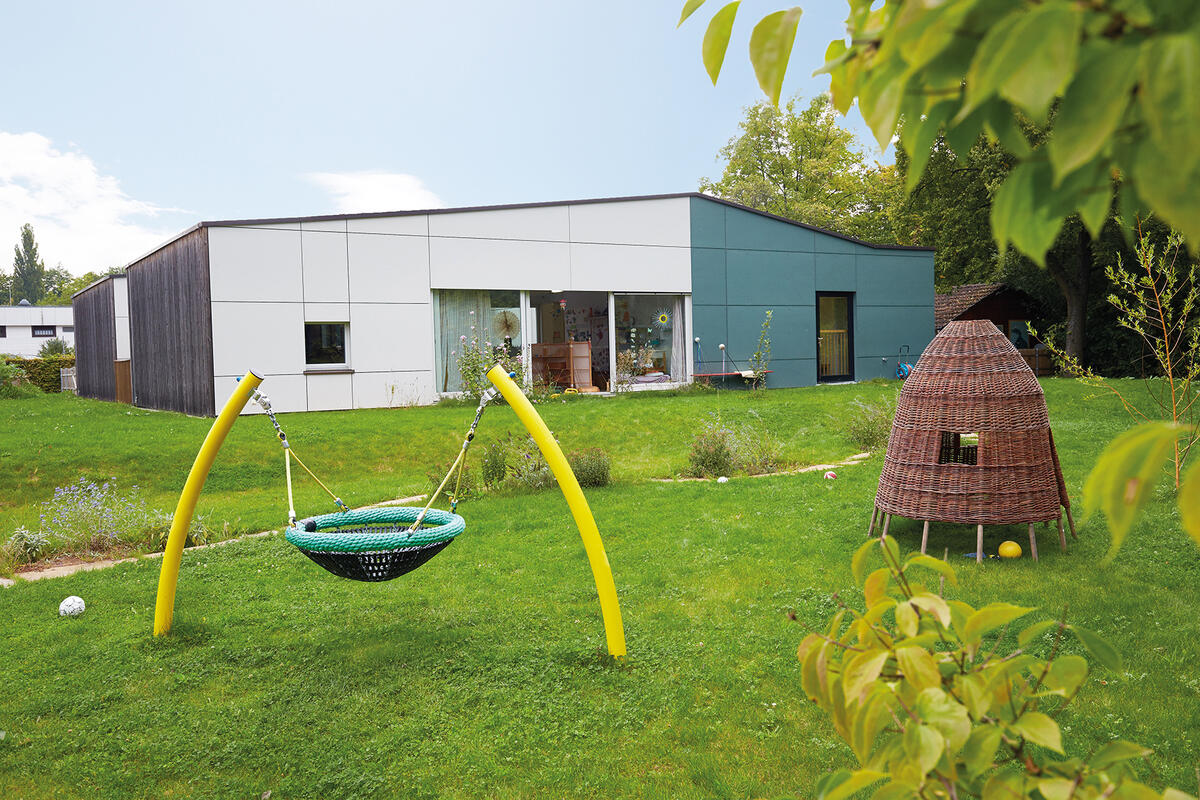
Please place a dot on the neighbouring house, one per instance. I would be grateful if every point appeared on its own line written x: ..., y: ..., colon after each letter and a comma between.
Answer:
x: 1012, y: 311
x: 372, y: 310
x: 24, y: 328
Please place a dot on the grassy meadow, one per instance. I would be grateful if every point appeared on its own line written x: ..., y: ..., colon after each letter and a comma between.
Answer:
x: 483, y: 674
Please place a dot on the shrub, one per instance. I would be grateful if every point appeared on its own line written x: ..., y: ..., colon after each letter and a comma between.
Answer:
x: 25, y: 545
x: 55, y: 347
x: 466, y: 486
x: 868, y: 425
x: 528, y: 468
x: 94, y: 518
x: 712, y: 451
x: 935, y: 701
x: 14, y: 383
x: 476, y: 357
x: 591, y: 467
x: 760, y: 360
x: 756, y: 452
x: 493, y: 467
x: 44, y: 372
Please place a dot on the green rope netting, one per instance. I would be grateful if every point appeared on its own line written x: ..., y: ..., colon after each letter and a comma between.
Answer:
x: 371, y: 529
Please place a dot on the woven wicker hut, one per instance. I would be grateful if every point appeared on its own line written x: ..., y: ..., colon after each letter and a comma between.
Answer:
x: 971, y: 442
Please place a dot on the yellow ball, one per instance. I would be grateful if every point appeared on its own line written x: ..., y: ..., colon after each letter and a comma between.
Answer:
x: 1010, y: 550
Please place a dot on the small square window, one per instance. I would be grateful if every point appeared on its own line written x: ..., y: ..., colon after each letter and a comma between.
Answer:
x: 68, y: 329
x: 43, y: 330
x: 325, y: 343
x: 959, y: 448
x: 3, y: 332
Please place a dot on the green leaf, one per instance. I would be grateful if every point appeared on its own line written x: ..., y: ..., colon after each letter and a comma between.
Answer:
x: 924, y: 746
x: 934, y: 605
x: 918, y: 138
x: 980, y: 749
x: 935, y: 564
x: 1189, y: 502
x: 1094, y: 206
x: 1175, y: 794
x: 1047, y: 39
x: 918, y: 667
x: 1039, y: 729
x: 907, y: 621
x: 1124, y: 477
x: 1093, y: 106
x: 688, y: 8
x: 863, y: 669
x: 995, y: 57
x: 1005, y: 786
x: 716, y: 39
x: 879, y: 98
x: 948, y: 716
x: 1169, y: 87
x: 1169, y: 189
x: 1099, y: 649
x: 875, y: 587
x: 1117, y: 751
x: 895, y: 790
x: 1034, y: 631
x: 990, y: 617
x: 1132, y: 790
x: 858, y: 564
x: 1056, y: 788
x: 771, y: 49
x: 843, y: 783
x: 1022, y: 211
x: 1066, y: 674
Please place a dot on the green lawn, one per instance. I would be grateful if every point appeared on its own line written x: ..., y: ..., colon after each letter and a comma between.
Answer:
x: 482, y: 674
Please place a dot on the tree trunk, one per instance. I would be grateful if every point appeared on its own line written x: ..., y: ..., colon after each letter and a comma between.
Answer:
x: 1072, y: 273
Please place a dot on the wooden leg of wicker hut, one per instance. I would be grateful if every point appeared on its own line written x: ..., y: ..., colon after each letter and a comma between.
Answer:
x: 1071, y: 522
x: 887, y: 520
x: 1062, y: 535
x: 874, y: 514
x: 925, y: 536
x: 1032, y: 542
x: 979, y: 546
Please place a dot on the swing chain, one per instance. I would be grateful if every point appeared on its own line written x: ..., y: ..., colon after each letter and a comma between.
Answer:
x: 265, y: 402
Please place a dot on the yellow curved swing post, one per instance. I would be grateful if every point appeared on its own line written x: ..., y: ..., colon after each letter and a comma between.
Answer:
x: 168, y: 577
x: 578, y: 504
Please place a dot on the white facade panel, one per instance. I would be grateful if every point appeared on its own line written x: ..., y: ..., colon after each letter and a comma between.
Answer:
x: 255, y: 264
x: 265, y: 337
x: 326, y: 270
x: 121, y: 315
x: 631, y: 268
x: 331, y: 225
x: 407, y: 225
x: 326, y: 312
x: 391, y: 337
x: 655, y: 222
x: 288, y: 393
x: 389, y: 269
x: 330, y: 392
x: 546, y: 224
x: 393, y: 389
x: 498, y: 264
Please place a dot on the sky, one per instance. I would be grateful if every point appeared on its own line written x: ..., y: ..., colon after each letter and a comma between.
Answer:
x: 123, y: 123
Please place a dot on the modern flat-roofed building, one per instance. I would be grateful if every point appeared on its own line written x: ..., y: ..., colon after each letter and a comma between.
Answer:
x: 25, y: 328
x: 371, y: 310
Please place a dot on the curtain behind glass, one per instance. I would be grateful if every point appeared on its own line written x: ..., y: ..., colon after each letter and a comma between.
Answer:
x: 457, y: 311
x: 678, y: 342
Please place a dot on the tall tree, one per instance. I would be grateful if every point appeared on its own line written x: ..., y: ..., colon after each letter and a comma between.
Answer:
x: 28, y: 269
x: 799, y: 163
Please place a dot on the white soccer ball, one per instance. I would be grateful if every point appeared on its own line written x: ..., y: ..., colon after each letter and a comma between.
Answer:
x: 71, y: 607
x: 722, y: 479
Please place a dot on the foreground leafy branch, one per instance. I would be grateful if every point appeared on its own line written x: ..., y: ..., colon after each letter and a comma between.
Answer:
x: 932, y: 706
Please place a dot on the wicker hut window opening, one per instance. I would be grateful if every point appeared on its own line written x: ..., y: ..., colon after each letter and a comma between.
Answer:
x: 971, y: 378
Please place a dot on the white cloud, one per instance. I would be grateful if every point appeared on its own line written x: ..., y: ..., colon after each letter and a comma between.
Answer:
x: 81, y: 218
x: 362, y: 192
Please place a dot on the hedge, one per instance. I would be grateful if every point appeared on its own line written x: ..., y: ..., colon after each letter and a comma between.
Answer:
x: 43, y: 372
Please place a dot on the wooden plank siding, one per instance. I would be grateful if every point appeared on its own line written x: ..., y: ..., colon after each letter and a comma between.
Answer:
x: 95, y: 342
x: 170, y: 327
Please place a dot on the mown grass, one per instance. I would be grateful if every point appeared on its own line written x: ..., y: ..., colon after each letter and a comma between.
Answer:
x: 483, y: 674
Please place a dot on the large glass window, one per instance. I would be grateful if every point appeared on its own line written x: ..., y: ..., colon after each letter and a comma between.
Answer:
x: 490, y: 320
x: 325, y: 343
x: 43, y: 330
x: 650, y: 326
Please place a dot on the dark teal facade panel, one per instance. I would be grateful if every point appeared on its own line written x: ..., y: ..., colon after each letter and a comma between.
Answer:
x: 744, y: 263
x: 881, y: 330
x: 745, y: 230
x: 894, y: 279
x: 836, y: 272
x: 708, y: 223
x: 755, y: 277
x: 708, y: 276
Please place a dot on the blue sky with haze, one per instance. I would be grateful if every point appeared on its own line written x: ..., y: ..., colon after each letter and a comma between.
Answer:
x: 126, y: 122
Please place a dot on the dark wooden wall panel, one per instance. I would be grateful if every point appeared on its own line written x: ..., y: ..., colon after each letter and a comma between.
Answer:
x: 95, y: 342
x: 170, y: 327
